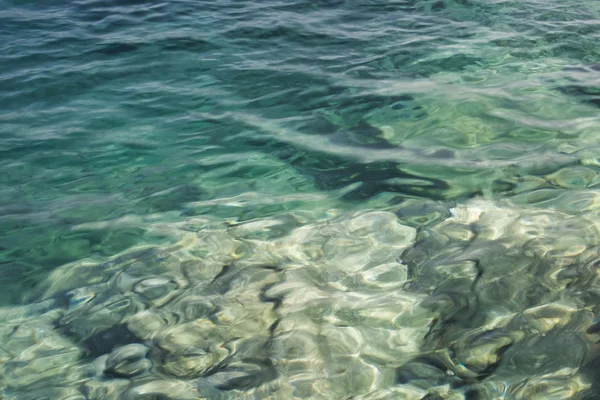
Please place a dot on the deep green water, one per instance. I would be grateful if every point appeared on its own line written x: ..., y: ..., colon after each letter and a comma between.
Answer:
x: 299, y: 199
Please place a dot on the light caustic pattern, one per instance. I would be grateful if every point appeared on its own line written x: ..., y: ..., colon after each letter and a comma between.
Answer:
x: 487, y: 300
x: 294, y: 199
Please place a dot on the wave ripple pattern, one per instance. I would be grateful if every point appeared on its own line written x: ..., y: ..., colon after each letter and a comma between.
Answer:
x: 295, y: 199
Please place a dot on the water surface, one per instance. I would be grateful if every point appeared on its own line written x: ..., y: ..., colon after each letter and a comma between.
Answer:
x: 299, y: 199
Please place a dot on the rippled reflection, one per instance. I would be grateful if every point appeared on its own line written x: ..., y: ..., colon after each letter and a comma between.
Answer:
x: 490, y: 300
x: 299, y: 199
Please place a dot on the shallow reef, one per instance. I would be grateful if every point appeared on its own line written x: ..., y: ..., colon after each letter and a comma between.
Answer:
x: 481, y: 300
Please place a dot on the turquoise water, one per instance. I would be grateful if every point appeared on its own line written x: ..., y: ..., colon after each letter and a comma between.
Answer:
x: 299, y: 199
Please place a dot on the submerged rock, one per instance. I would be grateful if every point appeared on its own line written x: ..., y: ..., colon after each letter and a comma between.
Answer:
x: 467, y: 305
x: 163, y: 389
x: 128, y: 361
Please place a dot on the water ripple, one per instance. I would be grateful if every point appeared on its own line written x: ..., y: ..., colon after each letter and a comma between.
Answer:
x: 299, y: 199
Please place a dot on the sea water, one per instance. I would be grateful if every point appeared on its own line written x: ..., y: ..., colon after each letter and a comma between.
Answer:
x: 299, y: 199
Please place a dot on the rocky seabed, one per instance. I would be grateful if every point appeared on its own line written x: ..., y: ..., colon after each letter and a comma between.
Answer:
x: 484, y: 300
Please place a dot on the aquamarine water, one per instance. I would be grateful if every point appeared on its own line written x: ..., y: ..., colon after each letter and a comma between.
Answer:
x: 299, y: 199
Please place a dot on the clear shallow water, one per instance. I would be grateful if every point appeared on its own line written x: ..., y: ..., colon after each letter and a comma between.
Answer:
x: 299, y: 199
